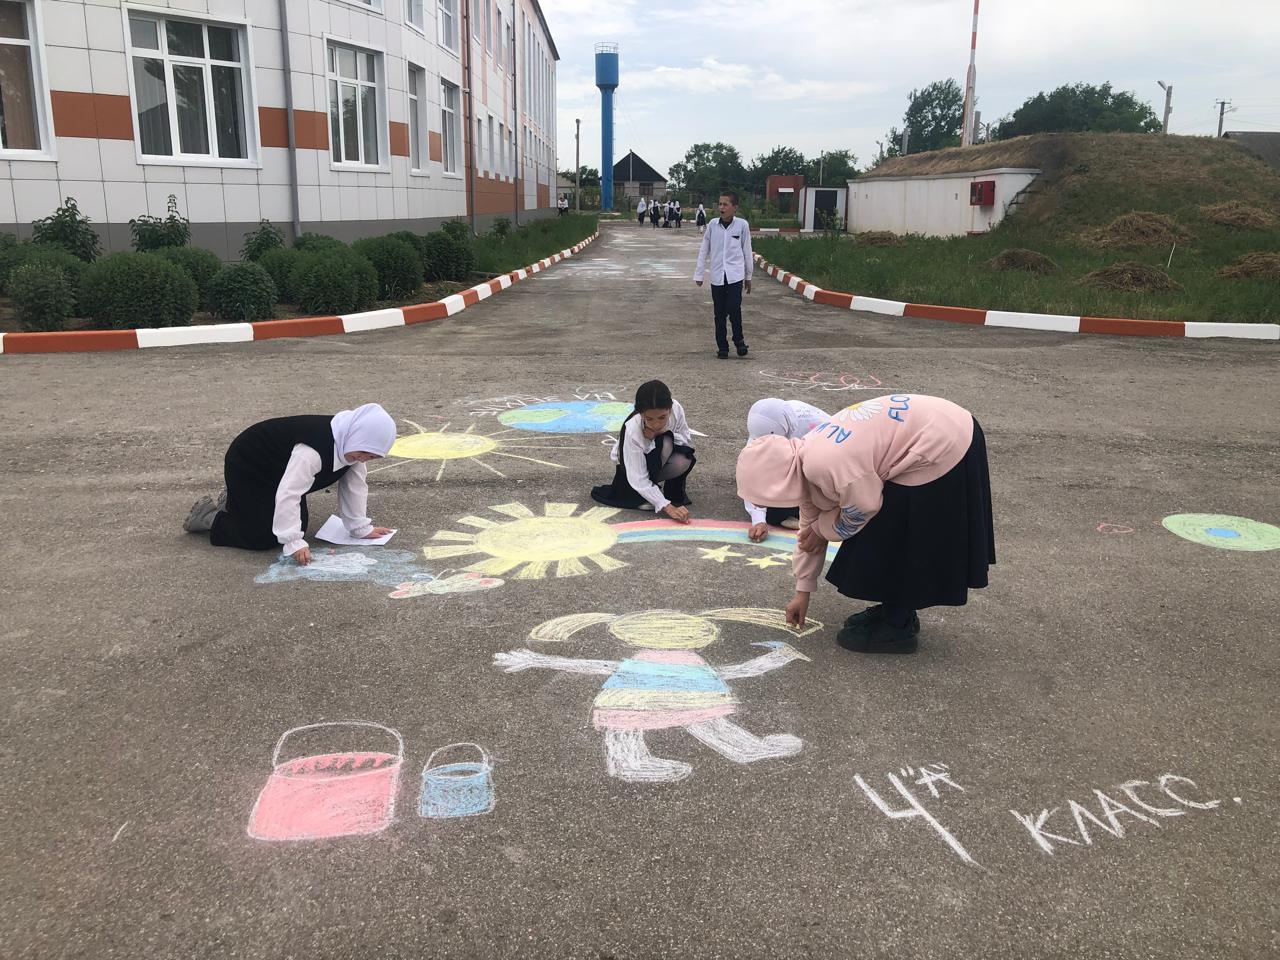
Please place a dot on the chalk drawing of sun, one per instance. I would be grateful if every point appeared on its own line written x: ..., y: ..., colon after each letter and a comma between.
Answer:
x: 449, y: 446
x: 558, y: 542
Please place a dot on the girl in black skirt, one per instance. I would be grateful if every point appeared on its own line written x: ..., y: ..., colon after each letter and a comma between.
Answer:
x: 901, y: 481
x: 652, y: 448
x: 272, y: 466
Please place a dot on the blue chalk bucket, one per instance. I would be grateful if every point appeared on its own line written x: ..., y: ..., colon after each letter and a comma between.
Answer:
x: 462, y: 789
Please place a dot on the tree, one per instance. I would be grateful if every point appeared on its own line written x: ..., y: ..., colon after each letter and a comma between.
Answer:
x: 708, y: 168
x: 1080, y: 107
x: 934, y: 116
x: 590, y: 176
x: 833, y: 167
x: 780, y: 161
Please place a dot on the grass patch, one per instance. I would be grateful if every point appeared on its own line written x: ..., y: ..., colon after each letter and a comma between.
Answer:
x: 498, y: 252
x: 1090, y: 181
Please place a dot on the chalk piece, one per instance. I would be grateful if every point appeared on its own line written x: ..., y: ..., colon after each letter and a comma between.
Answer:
x: 1238, y: 800
x: 335, y: 532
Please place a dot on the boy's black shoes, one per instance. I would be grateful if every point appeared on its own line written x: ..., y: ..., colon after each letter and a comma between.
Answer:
x: 723, y: 354
x: 742, y: 349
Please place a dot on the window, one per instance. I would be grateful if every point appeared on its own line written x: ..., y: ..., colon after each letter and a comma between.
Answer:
x: 447, y: 23
x: 488, y: 26
x: 21, y: 97
x: 493, y: 156
x: 502, y: 149
x: 417, y: 86
x: 449, y: 125
x: 414, y: 15
x: 354, y: 128
x: 498, y: 36
x: 477, y: 23
x: 189, y: 88
x: 477, y: 147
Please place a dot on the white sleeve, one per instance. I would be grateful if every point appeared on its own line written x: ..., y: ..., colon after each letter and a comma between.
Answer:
x: 757, y: 513
x: 353, y: 500
x: 680, y: 424
x: 748, y: 265
x: 703, y: 252
x: 299, y: 474
x: 638, y: 473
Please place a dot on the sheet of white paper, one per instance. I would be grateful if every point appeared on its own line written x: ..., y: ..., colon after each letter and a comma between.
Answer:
x: 335, y: 532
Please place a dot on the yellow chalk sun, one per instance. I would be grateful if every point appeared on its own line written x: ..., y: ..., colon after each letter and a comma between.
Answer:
x: 445, y: 445
x: 554, y: 543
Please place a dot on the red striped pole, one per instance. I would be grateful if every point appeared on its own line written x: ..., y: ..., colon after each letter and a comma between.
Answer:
x: 970, y: 83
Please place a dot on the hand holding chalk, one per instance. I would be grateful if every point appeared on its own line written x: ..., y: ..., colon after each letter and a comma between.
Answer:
x: 797, y: 609
x: 758, y: 532
x: 678, y: 514
x: 303, y: 555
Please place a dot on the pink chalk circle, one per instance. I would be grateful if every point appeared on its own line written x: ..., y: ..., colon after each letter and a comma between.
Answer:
x: 329, y: 794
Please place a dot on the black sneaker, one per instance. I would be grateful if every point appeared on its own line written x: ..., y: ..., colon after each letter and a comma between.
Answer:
x: 200, y: 519
x: 742, y: 349
x: 865, y: 616
x: 723, y: 354
x: 878, y: 637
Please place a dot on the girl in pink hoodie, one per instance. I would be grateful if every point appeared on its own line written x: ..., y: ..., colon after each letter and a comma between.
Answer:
x: 902, y: 482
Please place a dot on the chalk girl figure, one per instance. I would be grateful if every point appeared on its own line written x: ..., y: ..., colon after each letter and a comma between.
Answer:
x: 272, y: 466
x: 902, y: 481
x: 663, y: 684
x: 653, y: 447
x: 784, y: 418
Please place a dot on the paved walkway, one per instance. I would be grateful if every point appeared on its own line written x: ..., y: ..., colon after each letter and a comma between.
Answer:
x: 148, y: 677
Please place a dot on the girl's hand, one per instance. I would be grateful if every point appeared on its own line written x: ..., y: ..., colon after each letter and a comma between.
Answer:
x: 303, y: 556
x: 810, y: 541
x: 797, y: 609
x: 678, y: 514
x: 758, y: 532
x: 377, y: 532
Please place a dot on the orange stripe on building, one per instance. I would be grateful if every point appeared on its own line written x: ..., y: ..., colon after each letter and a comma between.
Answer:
x: 312, y: 129
x: 273, y: 126
x: 91, y: 115
x: 435, y: 147
x: 399, y: 138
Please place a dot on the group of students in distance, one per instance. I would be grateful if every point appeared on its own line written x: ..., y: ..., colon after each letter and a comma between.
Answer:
x: 668, y: 214
x: 900, y: 481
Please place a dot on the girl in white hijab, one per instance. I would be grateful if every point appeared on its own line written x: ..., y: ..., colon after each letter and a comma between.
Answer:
x: 784, y: 418
x: 272, y: 466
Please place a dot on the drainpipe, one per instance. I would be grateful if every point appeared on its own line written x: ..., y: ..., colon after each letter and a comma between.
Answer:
x: 295, y: 203
x: 471, y: 115
x: 516, y: 131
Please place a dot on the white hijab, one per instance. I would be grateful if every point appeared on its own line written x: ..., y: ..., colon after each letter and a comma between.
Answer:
x: 366, y: 429
x: 781, y: 417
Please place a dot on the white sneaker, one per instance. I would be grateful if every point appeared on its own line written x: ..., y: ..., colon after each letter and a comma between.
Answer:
x: 791, y: 523
x: 646, y: 506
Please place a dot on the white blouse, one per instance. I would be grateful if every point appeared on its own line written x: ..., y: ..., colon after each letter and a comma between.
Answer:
x: 299, y: 475
x: 635, y: 446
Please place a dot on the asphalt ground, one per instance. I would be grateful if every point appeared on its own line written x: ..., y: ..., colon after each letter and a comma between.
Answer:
x: 147, y: 676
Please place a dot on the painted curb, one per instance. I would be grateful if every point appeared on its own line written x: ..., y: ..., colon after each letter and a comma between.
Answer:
x: 1024, y: 321
x: 84, y: 341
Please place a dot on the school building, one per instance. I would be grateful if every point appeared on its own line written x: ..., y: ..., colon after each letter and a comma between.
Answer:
x: 347, y: 117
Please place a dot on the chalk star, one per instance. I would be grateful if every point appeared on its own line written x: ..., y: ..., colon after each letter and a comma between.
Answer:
x: 719, y: 554
x: 765, y: 562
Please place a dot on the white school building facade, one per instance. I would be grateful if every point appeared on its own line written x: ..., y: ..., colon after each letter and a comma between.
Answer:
x: 347, y: 117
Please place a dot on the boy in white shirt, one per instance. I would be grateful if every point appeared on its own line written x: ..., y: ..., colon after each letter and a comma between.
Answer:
x: 726, y: 253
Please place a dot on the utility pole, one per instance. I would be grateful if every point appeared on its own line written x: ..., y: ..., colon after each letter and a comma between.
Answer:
x: 1224, y: 107
x: 822, y: 159
x: 577, y: 166
x: 906, y: 138
x: 1168, y: 103
x: 977, y: 125
x: 880, y: 158
x: 971, y: 84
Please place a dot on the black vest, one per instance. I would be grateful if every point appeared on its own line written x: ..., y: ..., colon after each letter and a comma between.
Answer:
x: 264, y: 449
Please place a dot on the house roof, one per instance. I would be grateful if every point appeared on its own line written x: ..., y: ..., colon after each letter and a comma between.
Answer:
x: 633, y: 168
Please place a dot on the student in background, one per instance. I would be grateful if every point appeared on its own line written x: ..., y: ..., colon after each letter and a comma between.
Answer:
x: 641, y: 207
x: 653, y: 447
x: 783, y: 418
x: 902, y: 483
x: 726, y: 255
x: 701, y: 219
x: 272, y: 466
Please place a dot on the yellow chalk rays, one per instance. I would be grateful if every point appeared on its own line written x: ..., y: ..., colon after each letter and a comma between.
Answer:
x: 445, y: 445
x: 558, y: 542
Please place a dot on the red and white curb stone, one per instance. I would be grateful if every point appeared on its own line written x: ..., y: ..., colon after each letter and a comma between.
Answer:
x: 1025, y: 321
x: 77, y: 341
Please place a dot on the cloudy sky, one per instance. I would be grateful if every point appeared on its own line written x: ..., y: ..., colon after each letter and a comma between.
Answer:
x: 831, y: 74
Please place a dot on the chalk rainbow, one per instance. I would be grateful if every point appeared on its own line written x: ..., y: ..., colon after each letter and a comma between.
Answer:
x: 713, y: 531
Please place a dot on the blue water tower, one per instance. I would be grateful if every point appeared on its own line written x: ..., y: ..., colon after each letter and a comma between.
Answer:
x: 607, y: 81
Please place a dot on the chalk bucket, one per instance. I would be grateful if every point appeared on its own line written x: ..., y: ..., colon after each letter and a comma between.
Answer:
x: 328, y: 794
x: 461, y: 789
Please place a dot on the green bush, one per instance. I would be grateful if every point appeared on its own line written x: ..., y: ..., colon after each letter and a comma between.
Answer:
x: 280, y: 264
x: 13, y: 257
x: 243, y: 291
x: 399, y: 265
x: 458, y: 229
x: 43, y: 297
x: 153, y: 233
x: 201, y: 265
x: 408, y: 236
x: 263, y: 240
x: 501, y: 228
x: 7, y: 240
x: 314, y: 242
x: 446, y: 257
x: 334, y: 282
x: 69, y: 229
x: 127, y: 290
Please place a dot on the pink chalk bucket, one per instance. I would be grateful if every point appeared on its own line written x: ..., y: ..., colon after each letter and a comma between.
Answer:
x: 329, y: 794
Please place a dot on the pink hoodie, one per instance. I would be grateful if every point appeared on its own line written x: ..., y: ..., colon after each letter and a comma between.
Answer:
x: 838, y: 471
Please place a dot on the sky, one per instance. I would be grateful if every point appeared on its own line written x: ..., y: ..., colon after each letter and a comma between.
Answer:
x: 835, y: 74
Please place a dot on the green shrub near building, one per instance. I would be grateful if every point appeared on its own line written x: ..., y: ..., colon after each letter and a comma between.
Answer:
x: 244, y: 292
x: 127, y: 290
x: 43, y: 297
x: 334, y: 282
x: 398, y: 265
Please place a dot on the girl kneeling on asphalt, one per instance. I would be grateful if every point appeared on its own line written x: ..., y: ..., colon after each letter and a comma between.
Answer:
x: 272, y: 466
x: 653, y: 447
x: 902, y: 481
